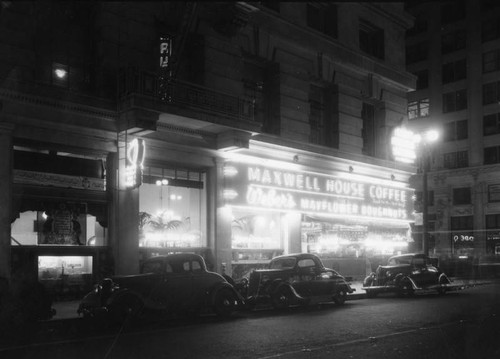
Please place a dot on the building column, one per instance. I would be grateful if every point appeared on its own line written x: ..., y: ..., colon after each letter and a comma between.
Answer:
x: 5, y: 198
x: 222, y: 241
x: 123, y: 217
x: 293, y: 242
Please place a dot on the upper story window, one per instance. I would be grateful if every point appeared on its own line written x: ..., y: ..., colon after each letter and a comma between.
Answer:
x: 458, y: 159
x: 462, y: 222
x: 323, y: 18
x: 417, y: 52
x: 490, y: 29
x: 273, y: 5
x: 368, y: 132
x: 491, y: 61
x: 422, y: 79
x: 371, y: 39
x: 452, y: 11
x: 454, y: 71
x: 491, y: 93
x: 317, y: 115
x: 492, y: 221
x: 419, y: 27
x: 461, y: 196
x: 491, y: 155
x: 453, y: 41
x: 455, y: 101
x: 456, y: 130
x: 491, y: 124
x: 494, y: 193
x: 417, y: 109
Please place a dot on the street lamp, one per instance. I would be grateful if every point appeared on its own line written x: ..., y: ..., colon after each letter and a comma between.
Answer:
x: 405, y: 145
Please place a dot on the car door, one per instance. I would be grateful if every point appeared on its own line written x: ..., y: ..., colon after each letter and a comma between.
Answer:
x: 178, y: 283
x: 420, y: 272
x: 307, y: 284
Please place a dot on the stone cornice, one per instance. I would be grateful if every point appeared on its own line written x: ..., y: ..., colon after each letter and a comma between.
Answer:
x: 54, y: 103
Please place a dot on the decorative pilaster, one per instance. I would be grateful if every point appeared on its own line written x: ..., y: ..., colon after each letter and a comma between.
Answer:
x: 6, y: 165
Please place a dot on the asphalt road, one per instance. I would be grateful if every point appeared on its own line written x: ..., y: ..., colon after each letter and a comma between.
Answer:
x: 464, y: 324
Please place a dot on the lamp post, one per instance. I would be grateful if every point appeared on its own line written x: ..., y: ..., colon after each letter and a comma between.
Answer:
x: 425, y: 141
x: 405, y: 145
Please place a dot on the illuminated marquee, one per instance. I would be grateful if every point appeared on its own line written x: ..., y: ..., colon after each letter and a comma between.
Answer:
x: 262, y: 187
x: 135, y: 158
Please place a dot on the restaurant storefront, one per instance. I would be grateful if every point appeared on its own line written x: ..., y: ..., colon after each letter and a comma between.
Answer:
x: 59, y: 230
x: 278, y: 207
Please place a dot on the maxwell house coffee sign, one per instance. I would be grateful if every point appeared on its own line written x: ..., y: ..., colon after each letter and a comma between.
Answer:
x: 263, y: 187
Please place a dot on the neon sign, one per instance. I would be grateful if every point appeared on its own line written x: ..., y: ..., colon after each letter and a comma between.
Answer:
x: 258, y: 186
x: 135, y: 159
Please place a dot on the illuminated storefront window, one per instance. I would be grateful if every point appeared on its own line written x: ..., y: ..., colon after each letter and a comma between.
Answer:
x: 339, y: 215
x: 65, y: 275
x: 172, y: 208
x: 61, y: 226
x: 340, y: 239
x: 255, y: 230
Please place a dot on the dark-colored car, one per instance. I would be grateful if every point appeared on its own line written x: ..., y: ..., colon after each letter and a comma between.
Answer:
x: 167, y: 284
x: 405, y: 274
x: 296, y: 279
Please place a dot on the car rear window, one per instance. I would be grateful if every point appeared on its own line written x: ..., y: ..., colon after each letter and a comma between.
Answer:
x: 282, y: 263
x: 152, y: 267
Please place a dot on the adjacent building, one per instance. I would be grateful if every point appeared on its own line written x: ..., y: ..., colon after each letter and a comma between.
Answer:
x: 454, y: 50
x: 238, y: 130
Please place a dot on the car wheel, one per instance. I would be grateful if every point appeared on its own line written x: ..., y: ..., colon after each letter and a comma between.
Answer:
x: 281, y: 298
x: 224, y: 302
x: 406, y: 289
x: 125, y: 309
x: 340, y: 297
x: 442, y: 280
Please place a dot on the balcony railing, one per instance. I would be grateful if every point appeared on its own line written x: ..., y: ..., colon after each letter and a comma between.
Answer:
x: 186, y: 95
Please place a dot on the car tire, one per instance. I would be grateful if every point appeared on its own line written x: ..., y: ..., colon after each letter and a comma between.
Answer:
x: 224, y: 302
x: 442, y: 280
x: 281, y: 298
x: 405, y: 288
x: 126, y: 308
x: 340, y: 297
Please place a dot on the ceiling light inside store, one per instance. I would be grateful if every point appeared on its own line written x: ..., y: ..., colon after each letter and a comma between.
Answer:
x: 60, y: 73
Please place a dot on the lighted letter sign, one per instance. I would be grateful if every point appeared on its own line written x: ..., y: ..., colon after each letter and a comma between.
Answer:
x: 165, y: 71
x: 165, y: 51
x: 262, y: 187
x: 404, y: 145
x: 135, y: 158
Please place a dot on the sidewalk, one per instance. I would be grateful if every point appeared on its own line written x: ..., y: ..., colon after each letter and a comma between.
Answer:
x: 67, y: 309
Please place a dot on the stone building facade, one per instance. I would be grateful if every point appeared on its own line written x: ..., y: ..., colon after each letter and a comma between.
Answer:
x: 295, y: 100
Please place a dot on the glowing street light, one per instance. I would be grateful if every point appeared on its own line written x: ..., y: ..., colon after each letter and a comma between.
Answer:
x: 405, y: 145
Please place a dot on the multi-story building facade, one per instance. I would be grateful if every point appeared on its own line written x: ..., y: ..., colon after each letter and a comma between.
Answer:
x: 235, y: 130
x: 453, y: 50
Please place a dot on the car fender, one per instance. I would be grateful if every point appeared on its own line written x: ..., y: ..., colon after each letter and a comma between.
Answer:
x: 120, y: 294
x: 222, y: 285
x: 289, y: 287
x: 443, y: 279
x: 368, y: 281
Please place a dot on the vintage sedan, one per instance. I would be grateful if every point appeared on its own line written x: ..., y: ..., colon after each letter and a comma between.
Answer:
x: 406, y: 274
x: 296, y: 279
x: 171, y: 284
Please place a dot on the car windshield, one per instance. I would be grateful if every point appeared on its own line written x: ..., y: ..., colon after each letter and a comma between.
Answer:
x: 281, y: 263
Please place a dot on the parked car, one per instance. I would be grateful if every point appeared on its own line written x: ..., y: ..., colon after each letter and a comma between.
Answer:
x: 168, y: 284
x: 296, y: 279
x: 404, y: 274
